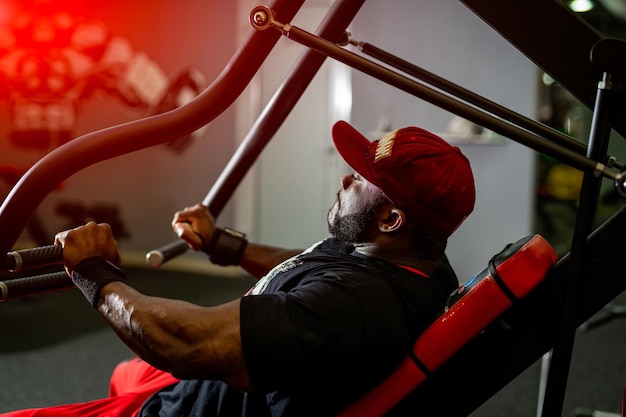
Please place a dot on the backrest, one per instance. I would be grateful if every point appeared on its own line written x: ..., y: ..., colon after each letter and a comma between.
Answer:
x: 509, y: 276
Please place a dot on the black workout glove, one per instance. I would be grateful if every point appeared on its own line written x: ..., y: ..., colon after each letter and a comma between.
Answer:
x: 91, y: 274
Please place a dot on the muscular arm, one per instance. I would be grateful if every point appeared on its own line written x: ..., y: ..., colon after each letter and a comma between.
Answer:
x: 187, y: 340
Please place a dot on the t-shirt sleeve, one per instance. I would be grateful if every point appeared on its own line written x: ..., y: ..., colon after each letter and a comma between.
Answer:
x: 316, y: 334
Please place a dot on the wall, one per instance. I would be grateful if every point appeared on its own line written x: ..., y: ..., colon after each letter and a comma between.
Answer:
x: 147, y: 186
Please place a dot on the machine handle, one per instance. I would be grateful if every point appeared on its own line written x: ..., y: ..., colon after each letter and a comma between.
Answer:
x: 35, y: 285
x: 19, y: 260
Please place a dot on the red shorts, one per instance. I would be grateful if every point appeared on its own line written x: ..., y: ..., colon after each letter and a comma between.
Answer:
x: 132, y: 383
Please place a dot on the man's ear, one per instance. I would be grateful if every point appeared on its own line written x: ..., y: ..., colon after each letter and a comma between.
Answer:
x: 392, y: 220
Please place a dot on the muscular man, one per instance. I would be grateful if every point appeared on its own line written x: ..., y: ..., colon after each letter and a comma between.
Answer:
x: 321, y: 327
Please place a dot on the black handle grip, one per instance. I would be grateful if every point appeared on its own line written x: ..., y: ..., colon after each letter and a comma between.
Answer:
x: 157, y: 257
x: 35, y: 285
x: 19, y: 260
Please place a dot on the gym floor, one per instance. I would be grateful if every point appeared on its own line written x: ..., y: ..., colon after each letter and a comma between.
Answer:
x: 55, y: 349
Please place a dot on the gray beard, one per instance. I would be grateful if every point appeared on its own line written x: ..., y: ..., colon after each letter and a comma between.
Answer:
x: 352, y: 228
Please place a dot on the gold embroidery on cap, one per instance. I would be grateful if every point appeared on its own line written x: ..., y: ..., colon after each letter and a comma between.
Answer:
x: 385, y: 146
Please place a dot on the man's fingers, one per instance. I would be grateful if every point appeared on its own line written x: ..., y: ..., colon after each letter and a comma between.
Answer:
x: 185, y: 232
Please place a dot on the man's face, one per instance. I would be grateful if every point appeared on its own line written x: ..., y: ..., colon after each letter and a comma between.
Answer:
x: 350, y: 218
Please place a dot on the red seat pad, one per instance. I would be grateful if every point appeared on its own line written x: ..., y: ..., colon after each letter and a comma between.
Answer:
x: 520, y: 267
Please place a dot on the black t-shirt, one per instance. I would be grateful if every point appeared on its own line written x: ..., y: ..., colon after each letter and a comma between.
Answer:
x: 318, y: 331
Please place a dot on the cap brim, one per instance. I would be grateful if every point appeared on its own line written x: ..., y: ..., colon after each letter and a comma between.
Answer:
x: 352, y: 146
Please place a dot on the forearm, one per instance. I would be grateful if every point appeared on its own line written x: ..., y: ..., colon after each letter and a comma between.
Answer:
x: 259, y: 259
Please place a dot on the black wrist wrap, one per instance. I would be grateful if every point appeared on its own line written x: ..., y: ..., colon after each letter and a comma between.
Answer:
x: 226, y: 247
x: 91, y: 274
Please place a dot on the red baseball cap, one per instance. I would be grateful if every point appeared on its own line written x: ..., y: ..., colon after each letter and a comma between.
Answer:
x: 420, y: 173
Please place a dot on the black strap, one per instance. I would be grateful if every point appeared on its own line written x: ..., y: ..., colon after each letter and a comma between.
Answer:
x: 226, y: 247
x: 92, y: 274
x: 494, y: 274
x: 419, y: 363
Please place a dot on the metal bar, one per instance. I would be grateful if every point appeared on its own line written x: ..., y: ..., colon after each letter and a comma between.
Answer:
x: 18, y: 260
x: 590, y: 191
x: 439, y: 99
x: 35, y: 285
x: 476, y: 100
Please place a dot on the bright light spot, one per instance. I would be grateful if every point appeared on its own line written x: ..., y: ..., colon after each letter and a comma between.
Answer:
x: 581, y: 6
x: 546, y: 79
x: 341, y: 87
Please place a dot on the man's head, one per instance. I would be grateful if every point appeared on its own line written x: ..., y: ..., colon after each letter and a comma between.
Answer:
x: 358, y: 201
x: 418, y: 172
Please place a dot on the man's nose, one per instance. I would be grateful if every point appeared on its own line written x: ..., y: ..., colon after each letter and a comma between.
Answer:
x: 346, y: 180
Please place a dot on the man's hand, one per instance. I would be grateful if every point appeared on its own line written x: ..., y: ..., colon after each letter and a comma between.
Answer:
x: 195, y: 225
x: 87, y: 241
